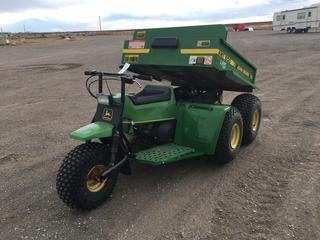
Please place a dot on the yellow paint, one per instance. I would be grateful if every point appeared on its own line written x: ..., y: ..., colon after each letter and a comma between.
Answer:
x: 200, y: 51
x: 216, y: 51
x: 141, y: 34
x: 255, y: 120
x: 93, y: 182
x: 131, y: 58
x: 136, y: 50
x: 235, y: 136
x: 234, y: 64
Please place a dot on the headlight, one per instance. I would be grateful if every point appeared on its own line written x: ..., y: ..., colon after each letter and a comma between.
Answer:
x: 103, y: 99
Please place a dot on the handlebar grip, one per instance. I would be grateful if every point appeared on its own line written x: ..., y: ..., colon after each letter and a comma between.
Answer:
x: 90, y: 73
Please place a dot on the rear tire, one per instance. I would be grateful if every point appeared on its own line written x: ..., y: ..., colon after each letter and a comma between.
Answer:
x: 78, y: 183
x: 250, y: 109
x: 230, y: 137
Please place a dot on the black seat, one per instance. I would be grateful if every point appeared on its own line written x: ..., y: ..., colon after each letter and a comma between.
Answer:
x: 151, y: 94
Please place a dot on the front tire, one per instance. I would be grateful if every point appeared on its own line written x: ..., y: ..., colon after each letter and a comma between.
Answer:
x: 78, y: 183
x: 230, y: 137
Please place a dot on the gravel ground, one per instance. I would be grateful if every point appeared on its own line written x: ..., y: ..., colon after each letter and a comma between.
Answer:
x: 271, y: 191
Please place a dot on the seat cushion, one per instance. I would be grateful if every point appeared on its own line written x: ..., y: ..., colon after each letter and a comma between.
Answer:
x: 151, y: 94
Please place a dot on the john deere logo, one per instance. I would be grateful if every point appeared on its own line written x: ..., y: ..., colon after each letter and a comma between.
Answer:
x: 107, y: 114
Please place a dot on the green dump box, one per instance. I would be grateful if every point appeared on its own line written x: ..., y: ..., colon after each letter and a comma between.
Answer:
x: 197, y: 56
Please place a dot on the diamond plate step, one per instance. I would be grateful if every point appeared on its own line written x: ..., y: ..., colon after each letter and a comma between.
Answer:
x: 165, y: 153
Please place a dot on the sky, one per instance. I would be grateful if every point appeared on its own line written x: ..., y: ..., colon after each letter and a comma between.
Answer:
x: 81, y: 15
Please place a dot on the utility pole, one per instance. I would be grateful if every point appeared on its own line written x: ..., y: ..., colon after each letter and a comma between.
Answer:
x: 100, y: 23
x: 24, y: 28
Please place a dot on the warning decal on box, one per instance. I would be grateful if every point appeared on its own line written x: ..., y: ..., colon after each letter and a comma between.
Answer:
x: 136, y: 44
x: 206, y: 60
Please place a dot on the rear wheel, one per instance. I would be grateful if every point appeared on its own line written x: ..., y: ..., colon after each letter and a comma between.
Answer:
x: 230, y: 137
x: 250, y: 109
x: 78, y: 181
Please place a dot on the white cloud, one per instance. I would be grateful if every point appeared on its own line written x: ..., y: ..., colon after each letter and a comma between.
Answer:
x: 309, y: 2
x: 88, y: 12
x: 146, y: 13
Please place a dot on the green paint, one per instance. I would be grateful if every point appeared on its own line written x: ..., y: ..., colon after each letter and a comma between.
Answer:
x: 229, y: 69
x: 165, y: 154
x: 159, y: 111
x: 93, y: 131
x: 152, y: 112
x: 199, y: 125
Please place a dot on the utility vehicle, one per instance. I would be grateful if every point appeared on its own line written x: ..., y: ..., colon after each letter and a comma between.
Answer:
x: 162, y: 123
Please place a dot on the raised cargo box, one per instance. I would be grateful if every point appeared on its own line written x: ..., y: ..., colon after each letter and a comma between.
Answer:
x: 197, y: 56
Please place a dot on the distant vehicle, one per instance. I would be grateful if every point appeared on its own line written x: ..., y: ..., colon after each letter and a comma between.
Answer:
x: 249, y: 29
x: 298, y: 20
x: 239, y: 27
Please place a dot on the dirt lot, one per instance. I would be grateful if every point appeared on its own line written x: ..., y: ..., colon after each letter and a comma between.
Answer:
x: 271, y: 191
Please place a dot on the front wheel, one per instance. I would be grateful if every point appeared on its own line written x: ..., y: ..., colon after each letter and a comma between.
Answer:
x: 78, y: 180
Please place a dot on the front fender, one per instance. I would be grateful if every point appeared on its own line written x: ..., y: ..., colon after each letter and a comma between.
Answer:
x: 93, y: 131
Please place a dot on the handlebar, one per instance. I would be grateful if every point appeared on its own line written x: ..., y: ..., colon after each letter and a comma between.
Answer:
x: 106, y: 74
x: 96, y: 73
x: 124, y: 78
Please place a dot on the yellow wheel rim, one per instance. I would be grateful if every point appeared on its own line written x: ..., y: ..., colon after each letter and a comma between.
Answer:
x: 93, y: 182
x: 255, y: 120
x: 235, y: 136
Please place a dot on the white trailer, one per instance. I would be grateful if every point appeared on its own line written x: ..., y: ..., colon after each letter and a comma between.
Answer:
x: 298, y: 20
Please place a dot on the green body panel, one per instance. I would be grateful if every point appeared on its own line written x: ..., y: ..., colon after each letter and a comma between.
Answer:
x: 151, y: 112
x: 199, y: 125
x: 227, y: 70
x: 93, y: 131
x: 197, y: 129
x: 165, y: 154
x: 136, y: 114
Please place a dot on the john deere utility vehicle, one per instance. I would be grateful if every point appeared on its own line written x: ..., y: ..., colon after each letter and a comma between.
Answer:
x: 161, y: 123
